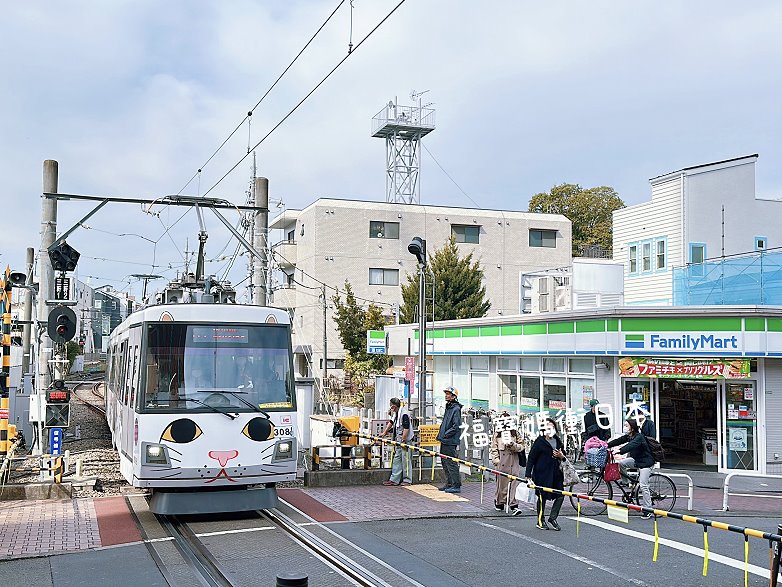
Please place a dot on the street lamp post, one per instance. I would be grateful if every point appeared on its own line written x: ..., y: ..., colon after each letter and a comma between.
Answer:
x: 418, y: 248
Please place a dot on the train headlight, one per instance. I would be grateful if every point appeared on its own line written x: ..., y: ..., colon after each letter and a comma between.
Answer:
x: 155, y: 454
x: 284, y: 450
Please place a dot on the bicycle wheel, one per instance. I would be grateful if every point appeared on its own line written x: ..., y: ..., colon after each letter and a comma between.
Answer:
x: 572, y: 448
x: 662, y: 490
x: 593, y: 485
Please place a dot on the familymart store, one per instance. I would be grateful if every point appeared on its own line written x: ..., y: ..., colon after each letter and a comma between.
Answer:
x: 711, y: 378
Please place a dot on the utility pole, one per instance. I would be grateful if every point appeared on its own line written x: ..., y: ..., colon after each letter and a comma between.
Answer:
x: 45, y: 270
x: 325, y: 339
x: 27, y: 311
x: 260, y: 241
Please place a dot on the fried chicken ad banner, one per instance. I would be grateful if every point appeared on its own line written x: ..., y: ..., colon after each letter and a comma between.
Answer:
x: 684, y: 369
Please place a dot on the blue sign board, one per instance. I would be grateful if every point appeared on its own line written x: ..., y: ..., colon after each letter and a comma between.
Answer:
x: 55, y: 441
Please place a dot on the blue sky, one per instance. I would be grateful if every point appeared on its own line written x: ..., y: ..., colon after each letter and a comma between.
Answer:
x: 131, y: 97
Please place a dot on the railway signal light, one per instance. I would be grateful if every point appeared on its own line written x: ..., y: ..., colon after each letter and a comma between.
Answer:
x: 64, y: 257
x: 62, y: 324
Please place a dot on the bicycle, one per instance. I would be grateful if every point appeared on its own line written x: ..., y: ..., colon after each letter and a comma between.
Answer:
x: 661, y: 488
x: 574, y: 444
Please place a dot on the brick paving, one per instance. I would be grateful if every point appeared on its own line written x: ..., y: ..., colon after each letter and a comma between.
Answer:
x: 32, y: 528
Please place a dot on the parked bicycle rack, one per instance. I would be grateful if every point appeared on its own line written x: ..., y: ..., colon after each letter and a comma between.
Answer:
x: 726, y: 487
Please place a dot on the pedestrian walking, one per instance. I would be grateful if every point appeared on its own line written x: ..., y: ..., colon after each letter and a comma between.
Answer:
x: 543, y: 467
x: 401, y: 431
x: 640, y: 456
x: 449, y: 437
x: 505, y: 448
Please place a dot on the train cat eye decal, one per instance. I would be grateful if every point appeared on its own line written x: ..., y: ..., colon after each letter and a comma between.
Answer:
x: 181, y: 431
x: 259, y: 429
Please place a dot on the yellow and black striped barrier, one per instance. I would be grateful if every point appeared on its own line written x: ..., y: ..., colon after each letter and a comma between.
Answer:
x: 5, y: 371
x: 775, y: 540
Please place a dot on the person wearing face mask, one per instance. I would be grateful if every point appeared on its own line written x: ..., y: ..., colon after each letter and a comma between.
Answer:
x: 504, y: 452
x: 646, y: 425
x: 543, y: 468
x: 449, y: 437
x: 639, y: 455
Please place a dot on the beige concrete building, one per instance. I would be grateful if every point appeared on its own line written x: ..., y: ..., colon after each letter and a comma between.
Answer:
x: 332, y: 240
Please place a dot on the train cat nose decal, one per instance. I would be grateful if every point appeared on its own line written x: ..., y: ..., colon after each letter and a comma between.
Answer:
x: 223, y: 456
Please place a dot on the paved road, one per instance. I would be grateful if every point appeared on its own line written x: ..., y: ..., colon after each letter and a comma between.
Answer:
x: 453, y: 552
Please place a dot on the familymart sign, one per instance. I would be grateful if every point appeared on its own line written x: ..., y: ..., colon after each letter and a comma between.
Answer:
x: 696, y: 342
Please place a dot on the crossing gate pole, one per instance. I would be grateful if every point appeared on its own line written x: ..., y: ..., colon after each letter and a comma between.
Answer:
x: 775, y: 568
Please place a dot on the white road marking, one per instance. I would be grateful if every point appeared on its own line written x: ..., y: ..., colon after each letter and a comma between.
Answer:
x: 694, y: 550
x: 348, y: 542
x: 569, y: 554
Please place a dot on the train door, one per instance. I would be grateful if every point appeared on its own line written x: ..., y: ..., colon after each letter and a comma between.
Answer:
x: 129, y: 392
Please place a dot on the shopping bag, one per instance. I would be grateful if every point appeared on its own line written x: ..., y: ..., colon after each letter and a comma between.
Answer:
x: 524, y: 494
x: 569, y: 473
x: 611, y: 472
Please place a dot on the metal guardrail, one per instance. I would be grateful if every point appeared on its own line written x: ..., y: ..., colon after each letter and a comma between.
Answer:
x: 726, y: 487
x: 689, y: 486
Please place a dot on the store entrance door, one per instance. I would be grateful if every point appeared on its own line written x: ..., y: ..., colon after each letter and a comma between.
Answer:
x: 738, y: 437
x: 688, y: 422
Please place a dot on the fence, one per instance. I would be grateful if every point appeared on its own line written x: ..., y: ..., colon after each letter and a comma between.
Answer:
x: 726, y: 487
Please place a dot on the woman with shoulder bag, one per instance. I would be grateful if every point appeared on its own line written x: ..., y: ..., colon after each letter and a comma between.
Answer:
x: 638, y: 455
x: 543, y: 467
x: 505, y: 457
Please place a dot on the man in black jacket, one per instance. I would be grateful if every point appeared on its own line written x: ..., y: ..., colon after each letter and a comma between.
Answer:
x: 449, y: 437
x: 591, y: 427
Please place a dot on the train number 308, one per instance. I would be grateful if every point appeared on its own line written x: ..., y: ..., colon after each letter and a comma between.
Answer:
x: 283, y: 431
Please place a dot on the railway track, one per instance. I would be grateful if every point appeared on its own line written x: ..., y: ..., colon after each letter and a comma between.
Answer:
x: 90, y: 394
x: 210, y: 573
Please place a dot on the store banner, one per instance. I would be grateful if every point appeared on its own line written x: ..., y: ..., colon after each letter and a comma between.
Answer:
x: 684, y: 369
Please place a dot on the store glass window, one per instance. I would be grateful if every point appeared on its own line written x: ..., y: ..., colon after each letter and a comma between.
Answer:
x: 554, y: 393
x: 479, y: 391
x: 479, y: 363
x: 507, y: 363
x: 459, y: 379
x: 554, y: 364
x: 529, y: 398
x: 509, y: 390
x: 741, y: 425
x: 581, y: 392
x: 529, y: 364
x: 580, y: 365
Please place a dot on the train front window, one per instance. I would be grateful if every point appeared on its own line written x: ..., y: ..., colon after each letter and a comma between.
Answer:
x: 236, y: 368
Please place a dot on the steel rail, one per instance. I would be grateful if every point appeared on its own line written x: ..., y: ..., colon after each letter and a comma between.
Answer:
x: 344, y: 564
x: 197, y: 556
x: 98, y: 408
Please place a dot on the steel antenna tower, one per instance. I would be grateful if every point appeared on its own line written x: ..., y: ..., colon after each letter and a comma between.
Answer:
x: 403, y: 127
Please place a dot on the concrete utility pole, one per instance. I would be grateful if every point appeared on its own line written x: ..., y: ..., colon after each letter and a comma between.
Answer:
x: 260, y: 241
x: 325, y: 340
x: 27, y: 311
x: 45, y: 270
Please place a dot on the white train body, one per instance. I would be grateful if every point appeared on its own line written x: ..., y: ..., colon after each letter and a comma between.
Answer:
x: 200, y: 401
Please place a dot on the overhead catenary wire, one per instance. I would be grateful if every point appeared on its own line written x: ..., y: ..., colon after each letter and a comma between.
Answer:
x: 304, y: 99
x: 263, y: 97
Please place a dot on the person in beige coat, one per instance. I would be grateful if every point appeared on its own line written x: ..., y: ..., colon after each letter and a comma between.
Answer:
x: 505, y: 457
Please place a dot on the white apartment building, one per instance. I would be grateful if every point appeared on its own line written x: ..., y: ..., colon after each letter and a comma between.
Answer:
x: 697, y: 213
x: 365, y: 243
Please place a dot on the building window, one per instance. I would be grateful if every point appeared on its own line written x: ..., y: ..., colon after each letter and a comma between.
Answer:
x: 384, y: 277
x: 301, y: 232
x: 542, y: 238
x: 291, y: 236
x: 761, y: 243
x: 464, y: 233
x: 646, y: 257
x: 660, y: 256
x: 380, y: 229
x: 697, y: 253
x: 633, y: 259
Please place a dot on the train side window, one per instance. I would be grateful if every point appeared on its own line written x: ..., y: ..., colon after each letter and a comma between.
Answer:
x: 126, y: 380
x: 120, y: 387
x: 132, y: 399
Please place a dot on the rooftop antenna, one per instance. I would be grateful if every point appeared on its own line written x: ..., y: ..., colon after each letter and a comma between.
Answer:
x: 402, y: 127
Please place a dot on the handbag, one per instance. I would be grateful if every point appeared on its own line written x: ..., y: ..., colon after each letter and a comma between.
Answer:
x: 569, y: 473
x: 611, y: 471
x: 523, y: 459
x: 524, y: 494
